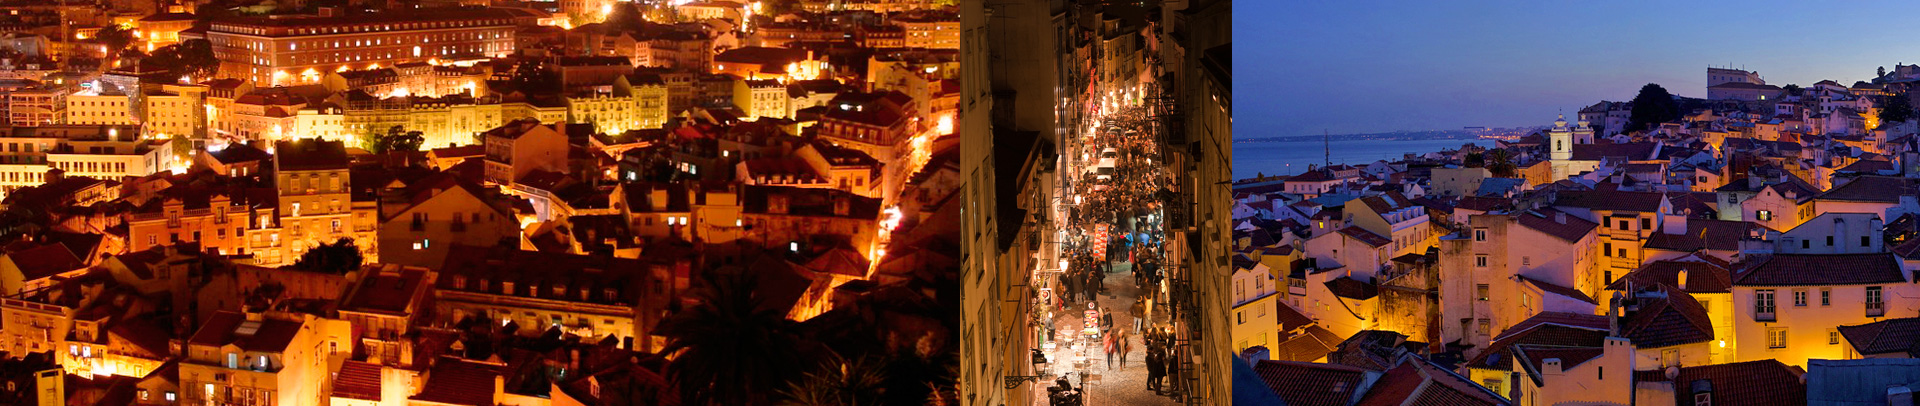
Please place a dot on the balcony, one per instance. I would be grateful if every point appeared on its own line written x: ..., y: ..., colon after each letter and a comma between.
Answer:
x: 1763, y: 316
x: 1876, y: 309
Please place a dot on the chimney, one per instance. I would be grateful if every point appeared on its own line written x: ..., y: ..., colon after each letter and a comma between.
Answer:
x: 1681, y: 278
x: 1560, y: 217
x: 1550, y: 367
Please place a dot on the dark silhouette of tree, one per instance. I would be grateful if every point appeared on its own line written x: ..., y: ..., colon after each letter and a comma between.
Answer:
x: 1895, y: 108
x: 115, y: 37
x: 1500, y: 163
x: 1880, y: 73
x: 727, y: 349
x: 339, y: 257
x: 1651, y: 107
x: 187, y: 58
x: 839, y: 382
x: 1793, y: 90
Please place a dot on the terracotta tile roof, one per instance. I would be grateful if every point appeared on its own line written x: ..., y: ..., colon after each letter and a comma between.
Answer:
x: 1548, y: 328
x: 1313, y: 176
x: 1763, y: 382
x: 1387, y: 202
x: 1306, y: 383
x: 1364, y: 236
x: 1877, y: 189
x: 1568, y: 228
x: 1644, y: 202
x: 1909, y: 249
x: 459, y: 382
x: 1569, y: 357
x: 1352, y: 289
x: 1702, y: 276
x: 385, y: 292
x: 1891, y: 336
x: 357, y: 380
x: 1419, y: 382
x: 1291, y: 318
x: 44, y: 261
x: 1705, y: 234
x: 1303, y: 348
x: 1557, y: 289
x: 1669, y: 317
x: 1821, y: 269
x: 225, y: 327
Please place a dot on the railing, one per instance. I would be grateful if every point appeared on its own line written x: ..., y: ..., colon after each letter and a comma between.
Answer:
x: 1876, y: 309
x: 1763, y: 316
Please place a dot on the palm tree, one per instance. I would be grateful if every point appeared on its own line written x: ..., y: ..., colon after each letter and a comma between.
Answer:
x: 727, y: 350
x: 839, y: 382
x: 1500, y: 163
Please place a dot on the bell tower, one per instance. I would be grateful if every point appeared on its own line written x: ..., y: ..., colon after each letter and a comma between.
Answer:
x: 1562, y: 139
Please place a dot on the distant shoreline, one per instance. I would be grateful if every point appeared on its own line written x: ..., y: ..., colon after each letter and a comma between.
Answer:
x: 1396, y: 136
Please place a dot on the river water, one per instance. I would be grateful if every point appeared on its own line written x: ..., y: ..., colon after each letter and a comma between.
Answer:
x: 1288, y: 158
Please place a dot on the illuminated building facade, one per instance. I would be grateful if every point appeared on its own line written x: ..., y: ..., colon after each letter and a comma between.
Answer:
x: 288, y: 51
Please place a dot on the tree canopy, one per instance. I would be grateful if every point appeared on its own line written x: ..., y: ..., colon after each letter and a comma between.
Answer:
x: 396, y: 138
x: 1651, y: 107
x: 1895, y: 108
x: 339, y: 257
x: 187, y: 58
x: 115, y: 37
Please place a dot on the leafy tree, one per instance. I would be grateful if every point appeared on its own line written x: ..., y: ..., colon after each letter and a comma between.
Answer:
x: 1895, y: 108
x: 339, y: 257
x: 1880, y: 73
x: 1651, y: 107
x: 187, y: 58
x: 397, y: 138
x: 727, y: 349
x: 182, y: 146
x: 1792, y: 90
x: 115, y: 37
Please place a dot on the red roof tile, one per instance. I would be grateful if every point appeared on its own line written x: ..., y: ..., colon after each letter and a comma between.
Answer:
x: 460, y: 382
x: 1891, y: 336
x: 1821, y: 269
x: 1763, y: 382
x: 1306, y: 383
x: 1667, y: 317
x: 357, y: 380
x: 1702, y: 276
x: 1568, y: 228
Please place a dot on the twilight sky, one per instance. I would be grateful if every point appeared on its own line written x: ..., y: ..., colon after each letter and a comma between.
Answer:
x: 1375, y: 66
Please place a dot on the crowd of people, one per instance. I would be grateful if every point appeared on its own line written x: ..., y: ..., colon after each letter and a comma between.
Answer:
x: 1116, y: 218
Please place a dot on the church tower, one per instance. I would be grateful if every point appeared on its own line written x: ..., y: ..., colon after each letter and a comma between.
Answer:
x: 1582, y: 134
x: 1562, y: 139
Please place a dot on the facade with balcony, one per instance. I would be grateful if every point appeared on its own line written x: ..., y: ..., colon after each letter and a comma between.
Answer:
x: 1788, y: 306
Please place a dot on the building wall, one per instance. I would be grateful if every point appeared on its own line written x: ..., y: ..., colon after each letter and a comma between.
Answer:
x: 479, y: 224
x: 1808, y: 328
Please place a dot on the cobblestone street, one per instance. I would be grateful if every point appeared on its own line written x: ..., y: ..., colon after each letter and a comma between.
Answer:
x: 1119, y: 385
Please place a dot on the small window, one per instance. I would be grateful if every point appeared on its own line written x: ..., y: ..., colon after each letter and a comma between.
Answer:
x: 1481, y: 291
x: 1833, y: 337
x: 1764, y: 215
x: 1865, y: 241
x: 1480, y: 261
x: 1479, y: 234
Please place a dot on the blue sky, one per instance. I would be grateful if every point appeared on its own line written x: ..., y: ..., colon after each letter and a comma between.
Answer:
x: 1376, y: 66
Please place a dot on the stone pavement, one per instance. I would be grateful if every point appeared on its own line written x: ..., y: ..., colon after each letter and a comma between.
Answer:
x: 1111, y: 386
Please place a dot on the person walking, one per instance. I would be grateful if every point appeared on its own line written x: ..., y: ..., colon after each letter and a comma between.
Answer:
x: 1110, y: 347
x: 1125, y: 345
x: 1153, y: 367
x: 1106, y: 319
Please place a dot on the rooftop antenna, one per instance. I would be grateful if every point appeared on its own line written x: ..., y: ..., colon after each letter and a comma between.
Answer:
x: 1326, y: 142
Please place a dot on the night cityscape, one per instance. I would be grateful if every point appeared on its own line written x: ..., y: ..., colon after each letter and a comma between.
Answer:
x: 480, y: 202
